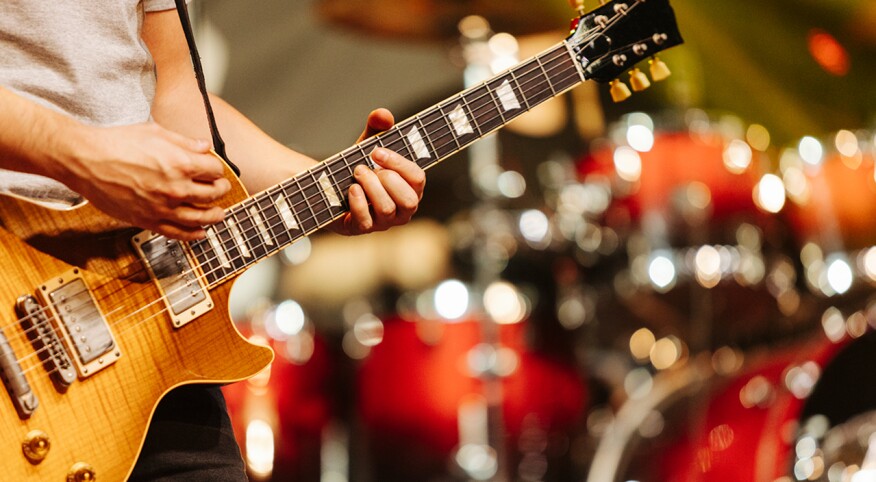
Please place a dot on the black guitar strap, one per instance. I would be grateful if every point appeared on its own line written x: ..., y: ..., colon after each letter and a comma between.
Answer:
x: 218, y: 143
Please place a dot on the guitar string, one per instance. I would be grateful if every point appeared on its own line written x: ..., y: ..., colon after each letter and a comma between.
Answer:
x: 310, y: 198
x: 347, y: 167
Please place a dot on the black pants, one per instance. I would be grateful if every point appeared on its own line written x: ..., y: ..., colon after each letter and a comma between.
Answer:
x: 190, y: 439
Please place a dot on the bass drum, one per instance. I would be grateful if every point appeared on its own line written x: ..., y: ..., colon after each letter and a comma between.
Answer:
x: 420, y: 398
x: 768, y: 423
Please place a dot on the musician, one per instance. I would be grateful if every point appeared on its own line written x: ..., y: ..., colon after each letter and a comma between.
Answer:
x: 98, y: 100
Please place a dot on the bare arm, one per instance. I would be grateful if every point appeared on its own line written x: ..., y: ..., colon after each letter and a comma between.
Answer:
x: 142, y: 174
x: 382, y: 198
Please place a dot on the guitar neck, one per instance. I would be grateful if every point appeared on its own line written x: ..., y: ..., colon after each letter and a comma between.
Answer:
x: 280, y: 215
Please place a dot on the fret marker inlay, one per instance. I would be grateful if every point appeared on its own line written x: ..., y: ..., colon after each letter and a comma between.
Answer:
x: 460, y: 121
x: 285, y: 212
x: 507, y: 97
x: 217, y: 247
x: 418, y: 144
x: 238, y: 238
x: 260, y: 225
x: 329, y: 191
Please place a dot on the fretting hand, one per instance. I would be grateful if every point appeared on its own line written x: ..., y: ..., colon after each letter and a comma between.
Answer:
x: 386, y: 196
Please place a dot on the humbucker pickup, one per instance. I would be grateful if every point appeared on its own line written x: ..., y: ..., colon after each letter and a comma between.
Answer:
x: 80, y: 322
x: 183, y: 289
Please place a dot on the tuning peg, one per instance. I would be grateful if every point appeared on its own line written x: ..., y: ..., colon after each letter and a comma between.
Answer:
x: 659, y: 70
x: 619, y: 91
x: 578, y: 5
x: 638, y: 80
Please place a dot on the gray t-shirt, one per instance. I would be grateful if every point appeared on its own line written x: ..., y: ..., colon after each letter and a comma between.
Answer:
x: 84, y: 58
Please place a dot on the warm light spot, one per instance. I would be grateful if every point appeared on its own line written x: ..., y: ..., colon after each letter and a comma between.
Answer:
x: 289, y: 318
x: 833, y: 324
x: 260, y: 448
x: 737, y: 156
x: 769, y: 194
x: 641, y: 343
x: 627, y: 164
x: 868, y: 261
x: 640, y: 138
x: 758, y: 137
x: 504, y: 303
x: 846, y: 143
x: 511, y: 184
x: 811, y: 150
x: 839, y: 274
x: 796, y: 185
x: 828, y: 52
x: 665, y: 352
x: 698, y: 195
x: 534, y: 226
x: 451, y: 299
x: 661, y: 272
x: 707, y: 263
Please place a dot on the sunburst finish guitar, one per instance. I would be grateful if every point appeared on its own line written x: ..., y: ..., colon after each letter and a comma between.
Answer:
x: 99, y: 320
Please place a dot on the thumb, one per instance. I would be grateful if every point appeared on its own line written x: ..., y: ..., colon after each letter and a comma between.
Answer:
x: 378, y: 121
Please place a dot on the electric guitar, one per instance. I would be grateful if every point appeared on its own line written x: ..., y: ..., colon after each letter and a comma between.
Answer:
x: 99, y: 320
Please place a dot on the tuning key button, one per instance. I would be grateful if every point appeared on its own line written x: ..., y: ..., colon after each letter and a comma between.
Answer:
x: 619, y: 91
x: 659, y: 70
x: 638, y: 80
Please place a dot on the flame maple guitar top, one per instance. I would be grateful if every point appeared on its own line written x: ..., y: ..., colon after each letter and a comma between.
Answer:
x: 101, y: 419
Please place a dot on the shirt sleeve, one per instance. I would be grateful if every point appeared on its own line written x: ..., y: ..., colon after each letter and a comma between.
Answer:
x: 159, y: 5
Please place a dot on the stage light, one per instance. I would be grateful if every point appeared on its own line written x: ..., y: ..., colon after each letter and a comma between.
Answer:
x: 627, y: 164
x: 737, y: 156
x: 451, y: 299
x: 769, y: 194
x: 811, y: 151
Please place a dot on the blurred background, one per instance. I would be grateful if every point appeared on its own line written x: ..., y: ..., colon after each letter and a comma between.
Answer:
x: 674, y: 288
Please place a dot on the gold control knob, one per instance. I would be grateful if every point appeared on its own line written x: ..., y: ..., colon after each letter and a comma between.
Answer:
x: 81, y: 472
x: 36, y: 446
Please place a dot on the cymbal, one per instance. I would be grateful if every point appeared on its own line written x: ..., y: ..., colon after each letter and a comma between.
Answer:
x: 437, y: 19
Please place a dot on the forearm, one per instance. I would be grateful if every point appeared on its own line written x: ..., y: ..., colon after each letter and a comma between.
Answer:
x: 262, y: 160
x: 36, y: 139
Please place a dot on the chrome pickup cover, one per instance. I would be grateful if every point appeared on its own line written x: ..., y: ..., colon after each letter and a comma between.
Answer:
x: 83, y: 326
x: 181, y: 285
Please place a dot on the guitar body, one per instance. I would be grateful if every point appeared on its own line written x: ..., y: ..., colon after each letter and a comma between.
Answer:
x: 101, y: 419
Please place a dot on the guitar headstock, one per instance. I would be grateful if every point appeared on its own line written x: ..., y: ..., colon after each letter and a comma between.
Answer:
x: 618, y: 35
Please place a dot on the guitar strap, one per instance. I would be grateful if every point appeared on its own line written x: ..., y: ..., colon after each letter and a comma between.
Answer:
x: 218, y: 143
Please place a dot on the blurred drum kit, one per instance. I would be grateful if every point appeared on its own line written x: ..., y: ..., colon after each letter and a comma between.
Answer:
x: 685, y: 302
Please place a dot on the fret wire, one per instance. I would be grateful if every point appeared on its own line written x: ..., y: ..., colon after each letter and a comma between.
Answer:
x: 247, y: 226
x: 272, y: 217
x: 492, y: 95
x: 544, y: 72
x: 517, y: 83
x: 315, y: 185
x: 438, y: 129
x: 449, y: 125
x: 465, y: 105
x: 246, y: 248
x: 418, y: 124
x: 229, y: 245
x: 298, y: 210
x: 409, y: 149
